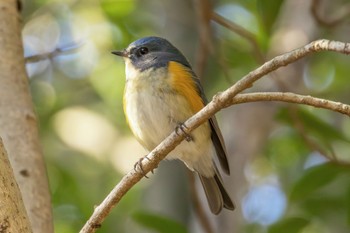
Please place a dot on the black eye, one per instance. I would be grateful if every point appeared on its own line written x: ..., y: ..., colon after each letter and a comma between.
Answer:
x: 143, y: 51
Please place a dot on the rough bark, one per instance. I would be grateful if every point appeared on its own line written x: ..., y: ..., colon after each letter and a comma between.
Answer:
x: 18, y: 125
x: 13, y: 216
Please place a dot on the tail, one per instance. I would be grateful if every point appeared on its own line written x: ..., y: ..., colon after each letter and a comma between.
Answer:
x: 216, y: 194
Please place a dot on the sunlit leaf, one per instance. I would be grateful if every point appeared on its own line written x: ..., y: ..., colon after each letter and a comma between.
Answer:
x: 289, y: 225
x: 158, y: 223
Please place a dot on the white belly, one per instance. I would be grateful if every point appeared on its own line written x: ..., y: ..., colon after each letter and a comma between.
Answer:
x: 153, y: 112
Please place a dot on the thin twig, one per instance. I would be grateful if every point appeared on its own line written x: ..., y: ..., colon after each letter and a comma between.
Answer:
x: 69, y: 48
x: 220, y: 101
x: 250, y: 37
x: 203, y: 11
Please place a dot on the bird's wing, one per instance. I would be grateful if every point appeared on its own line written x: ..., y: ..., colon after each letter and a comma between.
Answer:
x: 197, y: 100
x: 219, y: 144
x: 216, y: 135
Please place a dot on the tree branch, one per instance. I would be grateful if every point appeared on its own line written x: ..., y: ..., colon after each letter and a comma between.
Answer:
x: 291, y: 98
x: 220, y: 101
x: 250, y: 37
x: 203, y: 11
x: 69, y: 48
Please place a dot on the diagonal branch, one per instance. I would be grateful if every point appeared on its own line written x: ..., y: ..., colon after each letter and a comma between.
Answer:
x: 220, y: 101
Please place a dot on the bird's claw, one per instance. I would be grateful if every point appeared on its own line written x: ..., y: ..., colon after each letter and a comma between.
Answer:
x: 182, y: 127
x: 138, y: 164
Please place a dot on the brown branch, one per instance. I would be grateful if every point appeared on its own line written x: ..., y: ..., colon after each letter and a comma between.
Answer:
x: 220, y: 101
x: 291, y: 98
x: 69, y: 48
x: 250, y: 37
x: 297, y: 99
x: 203, y: 11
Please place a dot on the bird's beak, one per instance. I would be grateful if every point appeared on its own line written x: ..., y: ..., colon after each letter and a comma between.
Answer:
x: 122, y: 53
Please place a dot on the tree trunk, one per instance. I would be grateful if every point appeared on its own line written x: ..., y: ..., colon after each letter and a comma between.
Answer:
x: 18, y: 125
x: 13, y: 216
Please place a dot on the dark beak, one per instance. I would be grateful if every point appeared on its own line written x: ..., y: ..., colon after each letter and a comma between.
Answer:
x: 122, y: 53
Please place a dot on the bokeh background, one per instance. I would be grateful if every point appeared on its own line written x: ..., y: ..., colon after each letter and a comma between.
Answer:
x: 290, y: 164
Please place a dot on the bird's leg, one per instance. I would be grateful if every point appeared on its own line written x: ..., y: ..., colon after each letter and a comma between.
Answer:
x: 182, y: 127
x: 138, y: 164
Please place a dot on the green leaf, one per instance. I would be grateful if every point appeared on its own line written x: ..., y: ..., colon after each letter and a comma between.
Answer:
x: 323, y: 204
x: 158, y: 223
x: 316, y: 178
x: 312, y: 125
x: 289, y: 225
x: 268, y: 12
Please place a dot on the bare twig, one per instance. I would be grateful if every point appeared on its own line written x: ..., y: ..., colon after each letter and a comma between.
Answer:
x: 220, y: 101
x: 69, y: 48
x: 297, y: 99
x: 291, y: 98
x: 203, y: 11
x: 250, y: 37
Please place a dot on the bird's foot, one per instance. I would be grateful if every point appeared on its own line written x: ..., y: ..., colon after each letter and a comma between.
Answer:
x: 182, y: 127
x: 139, y: 168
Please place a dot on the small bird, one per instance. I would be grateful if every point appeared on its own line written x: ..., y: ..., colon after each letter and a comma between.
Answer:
x: 162, y: 92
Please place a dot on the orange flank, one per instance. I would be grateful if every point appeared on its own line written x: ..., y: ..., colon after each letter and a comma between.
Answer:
x: 184, y: 84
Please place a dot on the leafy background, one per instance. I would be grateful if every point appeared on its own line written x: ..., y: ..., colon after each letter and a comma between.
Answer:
x: 290, y: 164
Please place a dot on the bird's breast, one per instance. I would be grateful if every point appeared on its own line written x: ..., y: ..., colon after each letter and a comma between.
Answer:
x: 149, y: 106
x: 154, y: 105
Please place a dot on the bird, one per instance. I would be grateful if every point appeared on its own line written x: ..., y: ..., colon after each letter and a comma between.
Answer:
x: 161, y: 92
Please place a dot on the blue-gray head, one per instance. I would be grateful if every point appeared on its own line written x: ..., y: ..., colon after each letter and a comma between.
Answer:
x: 152, y: 52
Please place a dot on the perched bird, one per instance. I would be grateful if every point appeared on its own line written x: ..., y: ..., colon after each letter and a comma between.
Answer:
x: 162, y: 92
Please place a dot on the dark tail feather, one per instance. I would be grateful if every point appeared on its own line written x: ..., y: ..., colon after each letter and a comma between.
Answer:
x: 228, y: 203
x: 216, y: 194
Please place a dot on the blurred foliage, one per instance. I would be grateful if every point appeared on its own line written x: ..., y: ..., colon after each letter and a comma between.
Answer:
x: 158, y: 223
x: 78, y: 97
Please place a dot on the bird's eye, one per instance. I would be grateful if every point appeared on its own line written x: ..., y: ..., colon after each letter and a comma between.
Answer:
x: 143, y: 51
